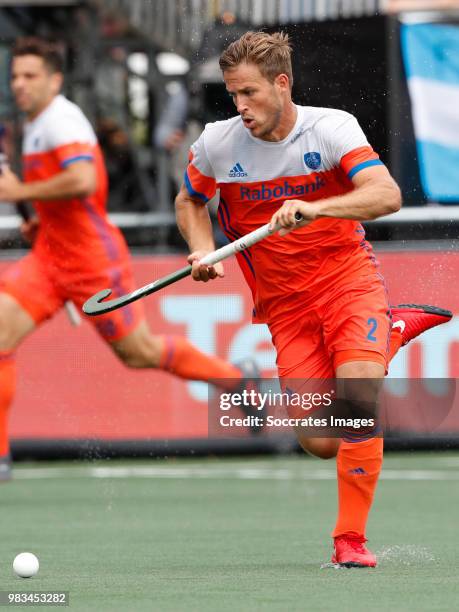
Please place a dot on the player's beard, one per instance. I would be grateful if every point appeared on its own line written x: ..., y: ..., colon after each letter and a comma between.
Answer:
x: 270, y: 125
x: 32, y: 104
x: 22, y: 102
x: 28, y: 106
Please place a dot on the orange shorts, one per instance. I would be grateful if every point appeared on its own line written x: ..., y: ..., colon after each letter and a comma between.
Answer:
x: 41, y: 289
x: 352, y: 323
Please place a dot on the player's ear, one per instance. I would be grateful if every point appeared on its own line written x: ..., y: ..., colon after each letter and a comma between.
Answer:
x: 57, y: 80
x: 282, y: 81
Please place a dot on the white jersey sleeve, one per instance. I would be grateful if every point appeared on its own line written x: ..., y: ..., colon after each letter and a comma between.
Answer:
x: 199, y: 176
x: 345, y: 144
x: 71, y: 129
x: 68, y: 133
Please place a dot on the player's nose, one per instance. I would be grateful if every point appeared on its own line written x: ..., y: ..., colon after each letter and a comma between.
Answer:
x: 17, y: 84
x: 241, y: 107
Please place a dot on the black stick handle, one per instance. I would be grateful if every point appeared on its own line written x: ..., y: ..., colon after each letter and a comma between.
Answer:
x: 23, y: 211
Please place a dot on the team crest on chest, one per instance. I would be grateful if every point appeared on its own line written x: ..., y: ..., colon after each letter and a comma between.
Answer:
x: 312, y: 160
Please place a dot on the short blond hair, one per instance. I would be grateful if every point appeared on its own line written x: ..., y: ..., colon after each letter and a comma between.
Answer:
x: 271, y: 53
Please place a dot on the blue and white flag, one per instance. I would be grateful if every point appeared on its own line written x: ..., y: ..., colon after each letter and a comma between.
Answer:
x: 431, y: 56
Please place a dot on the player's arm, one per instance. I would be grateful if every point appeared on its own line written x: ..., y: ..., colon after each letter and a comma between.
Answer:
x: 191, y: 210
x: 76, y: 180
x: 195, y: 226
x: 375, y: 194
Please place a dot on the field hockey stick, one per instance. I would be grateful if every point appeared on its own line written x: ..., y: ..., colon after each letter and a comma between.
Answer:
x: 96, y: 306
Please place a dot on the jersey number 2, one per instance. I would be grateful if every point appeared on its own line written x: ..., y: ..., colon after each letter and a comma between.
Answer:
x: 373, y: 323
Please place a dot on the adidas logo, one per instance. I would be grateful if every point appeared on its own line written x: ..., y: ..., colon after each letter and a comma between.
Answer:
x: 358, y: 470
x: 237, y: 171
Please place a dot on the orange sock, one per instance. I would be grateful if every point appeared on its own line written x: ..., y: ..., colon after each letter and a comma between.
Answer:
x: 395, y: 343
x: 181, y: 358
x: 7, y: 387
x: 358, y: 465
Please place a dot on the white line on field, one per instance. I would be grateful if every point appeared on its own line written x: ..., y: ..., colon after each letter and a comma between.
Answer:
x: 448, y: 461
x: 231, y: 473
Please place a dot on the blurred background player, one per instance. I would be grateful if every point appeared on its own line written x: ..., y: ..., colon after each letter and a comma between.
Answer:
x: 317, y: 288
x: 76, y: 250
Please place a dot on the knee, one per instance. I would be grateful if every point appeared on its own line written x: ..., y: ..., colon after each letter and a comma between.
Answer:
x: 15, y: 323
x: 7, y: 332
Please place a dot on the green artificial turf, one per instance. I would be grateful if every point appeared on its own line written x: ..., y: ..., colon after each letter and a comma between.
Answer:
x: 229, y: 534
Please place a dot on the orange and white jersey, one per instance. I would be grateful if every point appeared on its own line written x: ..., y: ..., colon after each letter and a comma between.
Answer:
x: 59, y: 135
x: 317, y: 160
x: 75, y: 233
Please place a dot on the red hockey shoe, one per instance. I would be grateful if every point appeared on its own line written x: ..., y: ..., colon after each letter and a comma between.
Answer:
x: 414, y: 319
x: 350, y: 551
